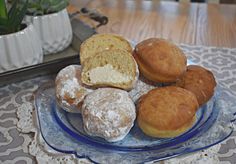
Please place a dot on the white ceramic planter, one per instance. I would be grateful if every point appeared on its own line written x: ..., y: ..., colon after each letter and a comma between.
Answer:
x: 54, y: 30
x: 20, y: 49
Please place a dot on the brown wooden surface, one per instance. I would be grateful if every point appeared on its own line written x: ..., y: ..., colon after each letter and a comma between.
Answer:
x: 228, y: 1
x: 190, y: 23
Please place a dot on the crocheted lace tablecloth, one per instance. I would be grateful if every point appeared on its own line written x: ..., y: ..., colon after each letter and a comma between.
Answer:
x: 21, y: 142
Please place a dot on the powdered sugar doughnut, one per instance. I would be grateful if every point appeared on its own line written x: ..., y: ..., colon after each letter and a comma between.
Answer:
x: 108, y: 113
x: 70, y: 91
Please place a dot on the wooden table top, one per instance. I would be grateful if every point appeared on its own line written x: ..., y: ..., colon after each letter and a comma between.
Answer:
x: 190, y: 23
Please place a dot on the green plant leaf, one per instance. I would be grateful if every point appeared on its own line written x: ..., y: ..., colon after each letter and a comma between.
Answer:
x: 3, y: 30
x: 3, y: 27
x: 11, y: 21
x: 20, y: 15
x: 41, y: 7
x: 13, y: 11
x: 34, y: 8
x: 57, y: 6
x: 3, y: 9
x: 12, y: 17
x: 3, y: 21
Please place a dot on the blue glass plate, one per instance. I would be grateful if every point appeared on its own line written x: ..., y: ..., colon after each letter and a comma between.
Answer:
x: 64, y: 132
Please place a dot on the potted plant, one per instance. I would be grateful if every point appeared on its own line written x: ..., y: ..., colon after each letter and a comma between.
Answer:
x: 52, y: 22
x: 19, y: 42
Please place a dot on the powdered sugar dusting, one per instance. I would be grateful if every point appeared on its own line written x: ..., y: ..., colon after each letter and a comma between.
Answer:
x: 69, y: 89
x: 67, y: 72
x: 108, y: 113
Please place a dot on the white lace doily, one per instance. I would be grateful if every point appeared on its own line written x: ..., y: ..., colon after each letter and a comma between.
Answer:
x: 37, y: 147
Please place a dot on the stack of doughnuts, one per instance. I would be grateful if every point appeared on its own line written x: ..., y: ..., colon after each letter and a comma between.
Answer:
x: 106, y: 88
x: 169, y: 111
x: 99, y: 88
